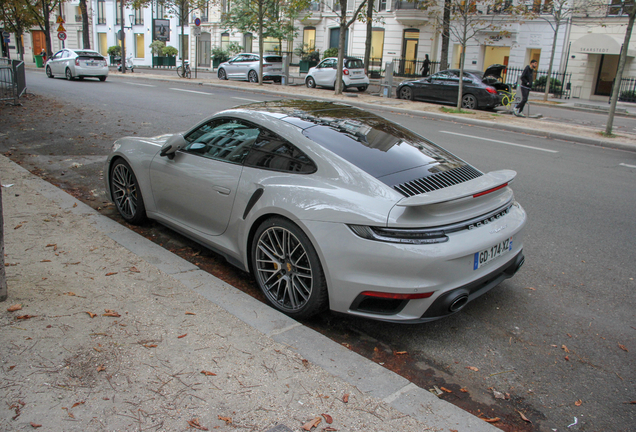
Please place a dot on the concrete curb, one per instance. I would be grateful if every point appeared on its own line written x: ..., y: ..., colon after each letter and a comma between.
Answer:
x: 369, y: 377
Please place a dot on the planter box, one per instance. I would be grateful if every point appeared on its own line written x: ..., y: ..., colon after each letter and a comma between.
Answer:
x: 306, y: 65
x: 164, y: 61
x: 216, y: 63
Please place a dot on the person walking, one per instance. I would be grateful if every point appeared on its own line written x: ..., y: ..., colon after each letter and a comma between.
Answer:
x: 43, y: 54
x: 524, y: 86
x: 426, y: 66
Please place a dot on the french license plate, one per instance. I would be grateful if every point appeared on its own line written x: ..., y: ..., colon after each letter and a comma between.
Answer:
x: 357, y: 73
x: 487, y: 255
x: 276, y: 69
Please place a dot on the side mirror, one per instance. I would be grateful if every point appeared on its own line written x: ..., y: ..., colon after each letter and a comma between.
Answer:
x: 175, y: 142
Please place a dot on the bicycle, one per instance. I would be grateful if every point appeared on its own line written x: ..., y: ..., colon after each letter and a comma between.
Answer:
x: 509, y: 99
x: 184, y: 71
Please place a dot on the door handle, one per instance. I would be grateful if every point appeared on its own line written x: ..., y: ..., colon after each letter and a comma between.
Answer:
x: 222, y: 190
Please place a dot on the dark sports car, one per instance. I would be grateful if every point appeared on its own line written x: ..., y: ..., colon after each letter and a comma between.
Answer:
x: 443, y: 87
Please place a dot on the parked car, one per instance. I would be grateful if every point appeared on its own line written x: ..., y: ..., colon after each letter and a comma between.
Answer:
x: 324, y: 74
x: 329, y: 206
x: 245, y: 67
x: 443, y: 87
x: 77, y: 63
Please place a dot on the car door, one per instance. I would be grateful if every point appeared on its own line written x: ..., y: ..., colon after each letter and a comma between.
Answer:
x: 55, y: 61
x: 451, y: 88
x: 325, y: 73
x: 233, y: 66
x: 430, y: 88
x: 196, y: 189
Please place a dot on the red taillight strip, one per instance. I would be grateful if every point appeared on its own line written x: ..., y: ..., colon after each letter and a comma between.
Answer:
x: 397, y: 296
x: 490, y: 190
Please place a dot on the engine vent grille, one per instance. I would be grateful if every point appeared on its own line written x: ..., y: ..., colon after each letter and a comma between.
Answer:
x: 438, y: 181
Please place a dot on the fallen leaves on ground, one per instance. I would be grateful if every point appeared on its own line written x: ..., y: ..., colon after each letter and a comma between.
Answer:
x: 17, y: 226
x: 472, y: 368
x: 70, y: 293
x: 463, y: 390
x: 312, y: 424
x: 76, y: 404
x: 623, y: 347
x: 101, y: 368
x: 134, y: 270
x: 70, y: 414
x: 328, y: 418
x: 150, y: 345
x: 91, y: 314
x: 195, y: 424
x: 345, y: 398
x: 578, y: 402
x: 14, y: 308
x: 446, y: 390
x: 208, y: 373
x: 491, y: 420
x: 565, y: 348
x: 110, y: 274
x: 53, y: 245
x: 400, y: 352
x: 190, y: 313
x: 523, y: 417
x: 111, y: 313
x: 227, y: 420
x: 25, y: 317
x: 182, y: 336
x: 45, y: 260
x: 35, y: 425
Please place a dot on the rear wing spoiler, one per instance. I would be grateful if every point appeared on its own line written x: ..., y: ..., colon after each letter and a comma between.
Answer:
x: 477, y: 187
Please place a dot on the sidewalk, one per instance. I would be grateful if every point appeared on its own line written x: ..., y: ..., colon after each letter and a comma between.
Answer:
x: 116, y: 333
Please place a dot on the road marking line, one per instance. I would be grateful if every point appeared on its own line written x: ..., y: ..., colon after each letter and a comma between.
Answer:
x: 628, y: 166
x: 144, y: 85
x: 192, y: 91
x: 501, y: 142
x: 249, y: 100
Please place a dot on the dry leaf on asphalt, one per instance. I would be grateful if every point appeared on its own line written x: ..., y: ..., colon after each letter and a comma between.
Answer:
x: 70, y: 293
x: 227, y: 420
x: 91, y: 314
x: 491, y: 420
x: 623, y: 347
x: 578, y: 402
x: 101, y: 368
x: 329, y: 429
x: 400, y: 352
x: 524, y: 418
x: 111, y: 313
x: 567, y: 358
x: 25, y: 317
x: 53, y: 245
x: 17, y: 226
x: 328, y: 418
x: 472, y: 368
x: 150, y: 345
x: 45, y: 261
x: 208, y: 373
x: 134, y: 270
x: 565, y: 348
x: 190, y: 313
x: 78, y: 404
x: 182, y: 336
x: 446, y: 390
x: 312, y: 424
x: 35, y: 425
x: 14, y: 308
x: 345, y: 398
x: 195, y: 424
x: 463, y: 390
x: 110, y: 274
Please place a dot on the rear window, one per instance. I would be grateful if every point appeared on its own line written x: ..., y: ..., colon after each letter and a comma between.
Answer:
x: 273, y: 59
x: 354, y: 64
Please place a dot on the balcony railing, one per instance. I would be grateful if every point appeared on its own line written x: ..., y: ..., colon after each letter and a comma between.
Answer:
x: 404, y: 5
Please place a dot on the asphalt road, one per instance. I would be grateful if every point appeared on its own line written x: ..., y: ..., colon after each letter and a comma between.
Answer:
x: 559, y: 338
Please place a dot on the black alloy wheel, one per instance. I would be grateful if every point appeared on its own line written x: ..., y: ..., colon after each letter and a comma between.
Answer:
x: 405, y: 93
x: 221, y: 74
x: 469, y: 101
x: 126, y: 193
x: 287, y: 269
x: 252, y: 77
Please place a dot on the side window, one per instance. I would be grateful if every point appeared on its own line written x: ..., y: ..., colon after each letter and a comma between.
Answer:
x: 275, y: 153
x: 222, y: 139
x: 58, y: 55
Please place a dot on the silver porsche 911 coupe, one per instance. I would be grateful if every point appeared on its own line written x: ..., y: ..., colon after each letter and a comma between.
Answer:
x: 329, y: 207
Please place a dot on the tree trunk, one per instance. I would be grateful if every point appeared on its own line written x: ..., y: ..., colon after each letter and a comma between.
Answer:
x: 46, y: 14
x: 341, y: 46
x: 547, y: 81
x: 86, y: 30
x: 443, y: 61
x: 261, y: 17
x: 616, y: 88
x: 123, y: 37
x: 369, y: 41
x: 3, y: 278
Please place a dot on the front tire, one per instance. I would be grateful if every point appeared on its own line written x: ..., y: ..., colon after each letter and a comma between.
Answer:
x: 310, y: 82
x: 102, y: 78
x: 405, y: 93
x: 49, y: 73
x: 221, y: 74
x: 69, y: 74
x: 126, y: 193
x: 252, y: 77
x: 287, y: 269
x: 469, y: 102
x: 362, y: 89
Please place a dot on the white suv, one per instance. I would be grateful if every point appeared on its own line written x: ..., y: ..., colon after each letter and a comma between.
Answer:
x: 353, y: 74
x: 245, y: 67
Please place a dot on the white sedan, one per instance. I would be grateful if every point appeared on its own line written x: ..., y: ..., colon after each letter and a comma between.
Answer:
x: 77, y: 63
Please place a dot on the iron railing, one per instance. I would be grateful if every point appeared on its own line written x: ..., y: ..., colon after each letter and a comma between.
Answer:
x: 560, y: 82
x: 412, y: 68
x: 8, y: 87
x: 627, y: 91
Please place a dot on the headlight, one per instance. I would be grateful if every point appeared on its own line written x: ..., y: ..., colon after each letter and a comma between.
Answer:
x: 396, y: 235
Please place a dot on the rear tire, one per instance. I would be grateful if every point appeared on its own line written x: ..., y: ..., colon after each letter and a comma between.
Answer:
x: 287, y: 269
x: 102, y: 78
x: 126, y: 194
x: 469, y: 101
x: 405, y: 93
x: 252, y: 77
x: 69, y: 74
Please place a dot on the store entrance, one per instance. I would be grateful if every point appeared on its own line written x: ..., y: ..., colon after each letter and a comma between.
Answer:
x: 606, y: 74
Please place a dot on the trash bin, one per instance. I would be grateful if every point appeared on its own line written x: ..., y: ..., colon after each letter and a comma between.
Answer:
x: 39, y: 61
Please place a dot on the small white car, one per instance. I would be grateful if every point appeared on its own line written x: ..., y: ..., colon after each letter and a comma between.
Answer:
x: 324, y: 75
x: 77, y: 63
x: 245, y: 67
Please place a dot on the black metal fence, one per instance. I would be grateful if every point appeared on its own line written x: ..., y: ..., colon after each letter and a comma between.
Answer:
x: 560, y: 82
x: 12, y: 80
x: 627, y: 92
x: 412, y: 68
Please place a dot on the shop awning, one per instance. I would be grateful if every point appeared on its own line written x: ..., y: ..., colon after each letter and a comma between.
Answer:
x: 595, y: 43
